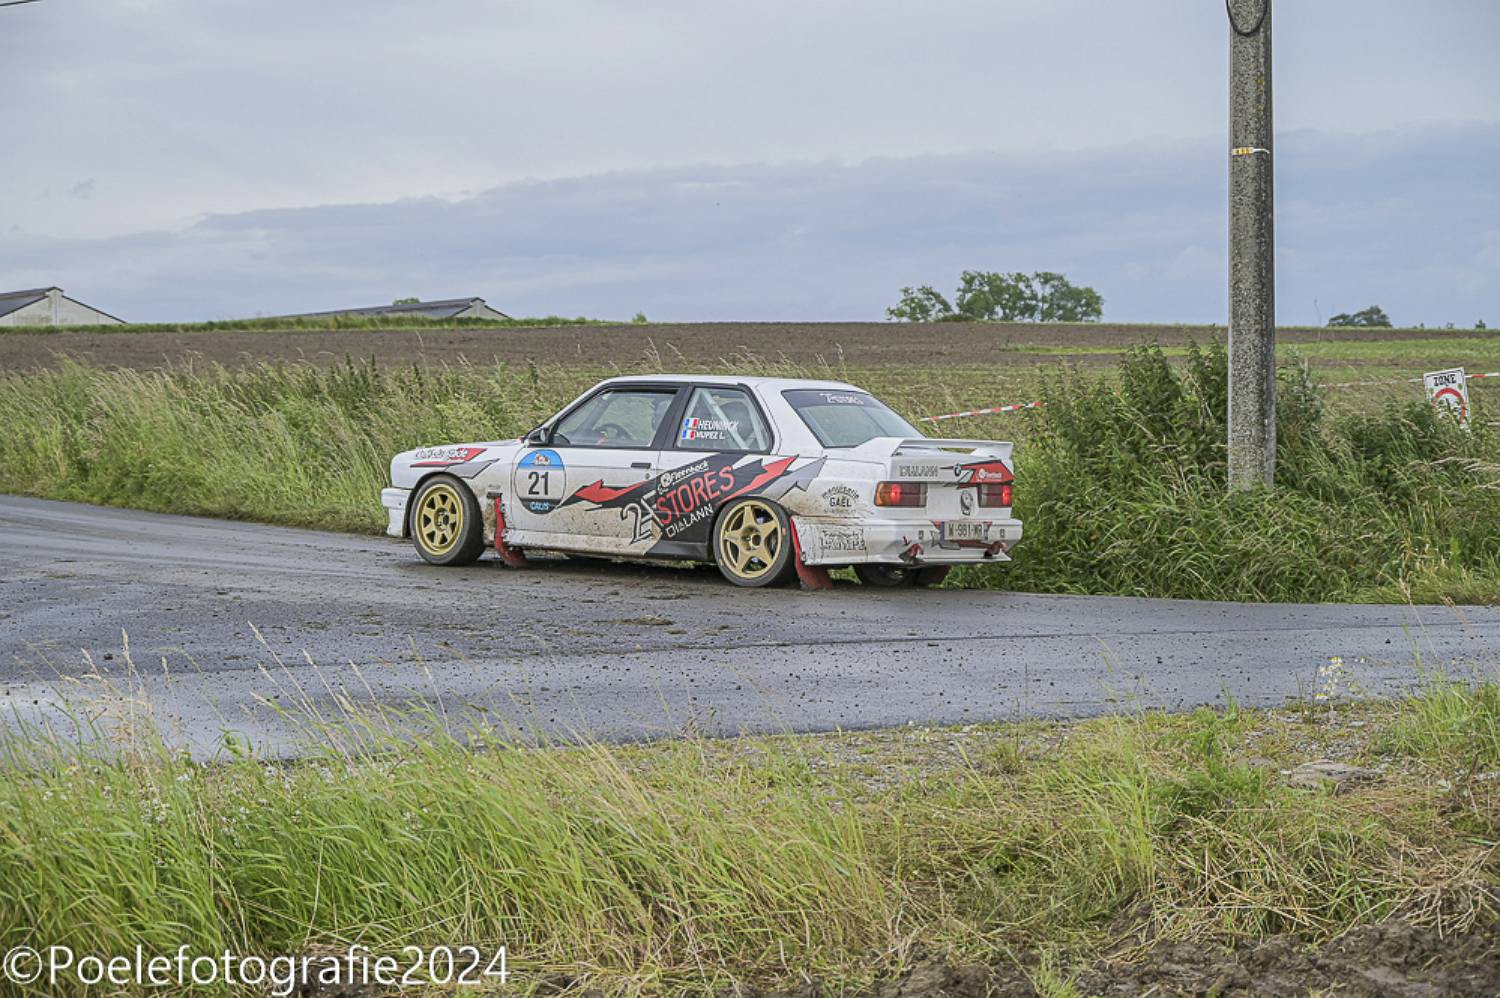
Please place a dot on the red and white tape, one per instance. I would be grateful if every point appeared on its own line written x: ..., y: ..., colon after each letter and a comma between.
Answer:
x: 998, y: 409
x: 1401, y: 381
x: 993, y: 411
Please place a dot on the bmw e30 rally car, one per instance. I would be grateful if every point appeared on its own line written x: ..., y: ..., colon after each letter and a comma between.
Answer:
x: 765, y: 477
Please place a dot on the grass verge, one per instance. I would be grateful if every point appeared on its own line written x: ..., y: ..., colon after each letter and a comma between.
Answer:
x: 1121, y: 476
x: 687, y: 866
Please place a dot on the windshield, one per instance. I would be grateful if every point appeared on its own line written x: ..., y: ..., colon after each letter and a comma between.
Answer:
x: 846, y: 418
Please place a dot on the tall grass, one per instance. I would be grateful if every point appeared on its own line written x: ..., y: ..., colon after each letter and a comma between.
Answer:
x: 1122, y: 487
x: 1121, y: 476
x: 567, y: 858
x: 286, y: 444
x: 686, y: 865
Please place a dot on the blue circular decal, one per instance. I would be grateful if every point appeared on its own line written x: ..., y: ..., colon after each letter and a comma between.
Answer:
x: 541, y: 480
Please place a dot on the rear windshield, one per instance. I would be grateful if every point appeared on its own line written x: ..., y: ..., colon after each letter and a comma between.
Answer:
x: 846, y: 418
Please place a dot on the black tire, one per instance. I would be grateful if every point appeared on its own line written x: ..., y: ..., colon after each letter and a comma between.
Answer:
x: 753, y: 543
x: 447, y: 527
x: 887, y: 576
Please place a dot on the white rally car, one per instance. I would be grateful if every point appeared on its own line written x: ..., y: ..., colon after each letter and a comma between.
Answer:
x: 765, y: 477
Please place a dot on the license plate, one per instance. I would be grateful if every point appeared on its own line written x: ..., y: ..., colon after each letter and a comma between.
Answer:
x: 965, y: 530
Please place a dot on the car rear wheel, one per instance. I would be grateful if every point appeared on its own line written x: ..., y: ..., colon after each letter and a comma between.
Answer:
x: 753, y: 543
x: 887, y: 576
x: 890, y: 576
x: 446, y: 525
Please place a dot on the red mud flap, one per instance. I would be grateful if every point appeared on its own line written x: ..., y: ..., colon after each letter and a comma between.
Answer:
x: 812, y: 576
x: 933, y: 574
x: 511, y: 557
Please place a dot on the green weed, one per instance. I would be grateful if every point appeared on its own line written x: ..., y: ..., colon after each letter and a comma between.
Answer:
x: 1121, y: 477
x: 686, y: 866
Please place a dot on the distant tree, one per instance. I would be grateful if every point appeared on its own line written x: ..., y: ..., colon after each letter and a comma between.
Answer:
x: 1062, y: 301
x: 921, y: 304
x: 640, y: 319
x: 1368, y: 318
x: 406, y: 301
x: 990, y: 296
x: 1480, y: 325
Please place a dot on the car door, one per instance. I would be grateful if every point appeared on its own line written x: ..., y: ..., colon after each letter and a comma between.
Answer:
x: 719, y: 447
x: 584, y: 488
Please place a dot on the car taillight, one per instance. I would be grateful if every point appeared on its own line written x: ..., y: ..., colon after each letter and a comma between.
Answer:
x: 909, y: 494
x: 995, y: 495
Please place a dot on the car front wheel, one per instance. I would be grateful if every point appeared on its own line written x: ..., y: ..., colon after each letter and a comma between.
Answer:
x: 446, y: 525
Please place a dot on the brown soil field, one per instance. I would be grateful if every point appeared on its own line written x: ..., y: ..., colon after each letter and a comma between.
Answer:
x: 1391, y: 959
x: 696, y: 345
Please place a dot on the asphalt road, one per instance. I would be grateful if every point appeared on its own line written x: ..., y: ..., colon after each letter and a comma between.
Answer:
x: 205, y: 626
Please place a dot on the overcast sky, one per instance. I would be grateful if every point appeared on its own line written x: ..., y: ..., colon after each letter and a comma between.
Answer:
x: 195, y: 159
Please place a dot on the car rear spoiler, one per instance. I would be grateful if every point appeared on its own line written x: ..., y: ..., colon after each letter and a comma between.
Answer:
x: 999, y: 448
x: 941, y: 443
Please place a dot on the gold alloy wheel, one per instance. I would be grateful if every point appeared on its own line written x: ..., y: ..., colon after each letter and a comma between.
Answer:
x: 439, y: 520
x: 750, y: 539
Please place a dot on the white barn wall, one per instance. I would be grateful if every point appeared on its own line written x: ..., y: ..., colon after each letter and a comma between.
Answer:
x: 58, y: 310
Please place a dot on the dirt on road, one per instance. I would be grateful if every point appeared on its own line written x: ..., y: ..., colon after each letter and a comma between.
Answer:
x: 858, y: 344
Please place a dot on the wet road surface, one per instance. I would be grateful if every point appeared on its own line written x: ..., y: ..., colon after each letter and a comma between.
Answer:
x: 203, y: 627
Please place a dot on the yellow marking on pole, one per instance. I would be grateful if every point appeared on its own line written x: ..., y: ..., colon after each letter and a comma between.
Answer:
x: 1248, y: 151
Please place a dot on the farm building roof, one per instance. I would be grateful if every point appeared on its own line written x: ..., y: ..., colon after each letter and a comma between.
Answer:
x: 13, y: 301
x: 445, y: 308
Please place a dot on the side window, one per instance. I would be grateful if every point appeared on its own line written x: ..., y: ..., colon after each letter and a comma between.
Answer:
x: 619, y: 417
x: 722, y: 419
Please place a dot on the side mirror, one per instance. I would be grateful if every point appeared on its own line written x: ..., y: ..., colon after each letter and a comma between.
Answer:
x: 537, y: 437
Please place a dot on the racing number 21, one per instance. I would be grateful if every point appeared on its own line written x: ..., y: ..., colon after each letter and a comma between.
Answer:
x: 537, y: 483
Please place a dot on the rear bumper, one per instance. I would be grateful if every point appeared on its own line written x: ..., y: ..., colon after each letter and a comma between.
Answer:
x: 847, y: 542
x: 394, y: 501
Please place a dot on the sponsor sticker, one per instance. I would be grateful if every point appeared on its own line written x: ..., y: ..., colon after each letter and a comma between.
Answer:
x: 690, y: 498
x: 841, y: 540
x: 918, y: 470
x: 679, y: 503
x: 669, y: 478
x: 435, y: 457
x: 983, y: 473
x: 841, y: 498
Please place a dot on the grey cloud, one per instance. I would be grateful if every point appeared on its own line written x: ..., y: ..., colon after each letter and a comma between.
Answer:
x: 181, y: 108
x: 1409, y: 219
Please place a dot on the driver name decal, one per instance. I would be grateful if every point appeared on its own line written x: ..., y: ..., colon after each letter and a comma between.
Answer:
x: 694, y: 428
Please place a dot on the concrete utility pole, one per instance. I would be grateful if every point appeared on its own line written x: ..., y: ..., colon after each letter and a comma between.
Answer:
x: 1252, y: 249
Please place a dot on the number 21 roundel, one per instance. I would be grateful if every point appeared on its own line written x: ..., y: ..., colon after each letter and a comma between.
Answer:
x: 541, y: 480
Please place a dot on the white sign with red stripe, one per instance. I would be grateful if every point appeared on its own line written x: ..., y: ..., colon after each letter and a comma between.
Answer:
x: 1450, y: 390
